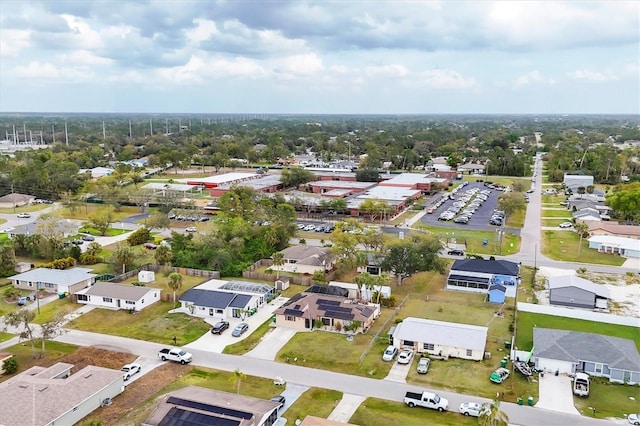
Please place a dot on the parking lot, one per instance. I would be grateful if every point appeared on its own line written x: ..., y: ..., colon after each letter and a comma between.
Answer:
x: 477, y: 220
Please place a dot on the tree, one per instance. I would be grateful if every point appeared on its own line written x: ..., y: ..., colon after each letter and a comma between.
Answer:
x: 583, y: 230
x: 163, y: 255
x: 319, y: 276
x: 10, y: 365
x: 278, y: 261
x: 7, y: 261
x: 123, y: 255
x: 294, y: 176
x: 22, y: 320
x: 518, y: 185
x: 51, y: 329
x: 625, y: 201
x: 511, y: 202
x: 236, y: 378
x: 158, y: 221
x: 175, y: 283
x: 417, y: 253
x: 367, y: 175
x: 491, y: 415
x: 101, y: 222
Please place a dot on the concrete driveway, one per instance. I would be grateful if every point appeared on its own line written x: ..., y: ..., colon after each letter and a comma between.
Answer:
x: 556, y: 394
x: 271, y: 343
x: 398, y: 372
x: 346, y: 408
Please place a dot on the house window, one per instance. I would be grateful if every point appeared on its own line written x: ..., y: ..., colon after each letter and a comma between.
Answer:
x: 290, y: 318
x: 49, y: 285
x: 129, y: 302
x: 30, y: 284
x: 107, y: 300
x: 83, y: 297
x: 219, y: 311
x: 142, y: 301
x: 326, y: 321
x: 598, y: 369
x: 429, y: 347
x: 469, y: 352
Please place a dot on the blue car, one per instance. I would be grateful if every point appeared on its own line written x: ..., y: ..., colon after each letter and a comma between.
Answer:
x: 240, y: 329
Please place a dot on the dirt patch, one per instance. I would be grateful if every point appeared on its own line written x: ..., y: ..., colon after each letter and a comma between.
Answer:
x: 135, y: 393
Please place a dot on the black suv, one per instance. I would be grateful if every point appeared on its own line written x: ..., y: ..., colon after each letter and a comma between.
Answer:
x: 219, y: 327
x: 455, y: 253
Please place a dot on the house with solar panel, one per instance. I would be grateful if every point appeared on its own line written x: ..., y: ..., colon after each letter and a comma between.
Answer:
x: 224, y: 299
x: 477, y: 275
x: 328, y: 308
x: 194, y: 405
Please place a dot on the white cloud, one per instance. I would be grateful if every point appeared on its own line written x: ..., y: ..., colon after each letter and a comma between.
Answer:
x: 446, y: 79
x: 83, y: 57
x: 53, y: 73
x: 589, y: 75
x: 301, y: 65
x: 390, y: 71
x: 533, y: 77
x: 12, y: 42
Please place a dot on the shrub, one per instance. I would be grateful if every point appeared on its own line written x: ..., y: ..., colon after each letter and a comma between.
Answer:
x: 138, y: 284
x: 10, y: 292
x: 138, y: 237
x: 63, y: 263
x: 89, y: 259
x: 10, y: 365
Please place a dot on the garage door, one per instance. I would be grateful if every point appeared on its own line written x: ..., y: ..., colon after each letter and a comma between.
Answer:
x: 553, y: 365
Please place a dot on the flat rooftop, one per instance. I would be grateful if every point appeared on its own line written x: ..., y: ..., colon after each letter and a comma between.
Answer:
x: 221, y: 179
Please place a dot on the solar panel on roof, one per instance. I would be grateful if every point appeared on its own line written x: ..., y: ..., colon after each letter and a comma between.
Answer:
x: 328, y: 302
x: 294, y: 312
x: 208, y: 407
x: 339, y: 315
x: 179, y: 417
x: 470, y: 279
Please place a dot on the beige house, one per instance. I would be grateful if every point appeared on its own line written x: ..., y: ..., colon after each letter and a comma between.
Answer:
x: 304, y: 259
x: 613, y: 229
x: 59, y: 281
x: 304, y: 310
x: 10, y: 201
x: 118, y: 296
x: 44, y: 396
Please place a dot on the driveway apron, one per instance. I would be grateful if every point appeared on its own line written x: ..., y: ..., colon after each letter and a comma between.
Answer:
x: 556, y: 394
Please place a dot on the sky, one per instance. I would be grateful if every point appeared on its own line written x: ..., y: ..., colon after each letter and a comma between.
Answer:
x: 320, y: 57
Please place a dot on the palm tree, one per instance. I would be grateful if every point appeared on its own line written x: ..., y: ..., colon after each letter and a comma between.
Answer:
x: 582, y: 229
x: 123, y: 255
x: 491, y: 415
x: 237, y: 378
x: 163, y: 254
x: 175, y: 283
x: 278, y: 260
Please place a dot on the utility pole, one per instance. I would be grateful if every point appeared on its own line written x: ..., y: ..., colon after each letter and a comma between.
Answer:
x: 66, y: 133
x: 151, y: 125
x: 130, y: 135
x: 53, y: 132
x: 104, y: 132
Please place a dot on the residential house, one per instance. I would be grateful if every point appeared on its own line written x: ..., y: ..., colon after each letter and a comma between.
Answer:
x: 373, y: 265
x: 352, y: 288
x: 588, y: 214
x: 576, y: 204
x: 614, y: 229
x: 445, y: 339
x: 573, y: 291
x: 576, y: 181
x: 10, y: 201
x: 304, y: 259
x: 46, y: 396
x: 225, y: 299
x: 627, y: 247
x: 194, y: 405
x: 472, y: 168
x: 65, y: 228
x: 335, y: 312
x: 371, y: 294
x: 97, y: 172
x: 497, y: 293
x: 61, y: 281
x: 570, y: 352
x: 118, y: 296
x: 597, y: 196
x: 476, y: 275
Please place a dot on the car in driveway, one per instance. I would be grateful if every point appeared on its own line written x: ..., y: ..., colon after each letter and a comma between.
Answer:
x: 279, y: 399
x: 389, y: 353
x: 240, y: 329
x: 472, y: 409
x: 405, y: 356
x: 88, y: 238
x: 455, y: 253
x: 634, y: 419
x: 219, y: 327
x: 423, y: 365
x: 129, y: 370
x: 499, y: 376
x: 150, y: 246
x: 565, y: 225
x: 24, y: 215
x: 191, y: 229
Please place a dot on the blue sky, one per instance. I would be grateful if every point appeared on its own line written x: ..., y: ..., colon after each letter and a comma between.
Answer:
x: 298, y: 56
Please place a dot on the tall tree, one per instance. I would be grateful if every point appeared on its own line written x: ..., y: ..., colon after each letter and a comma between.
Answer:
x: 123, y: 255
x: 492, y: 415
x: 22, y: 319
x: 278, y: 261
x: 236, y: 378
x: 175, y: 283
x: 582, y: 229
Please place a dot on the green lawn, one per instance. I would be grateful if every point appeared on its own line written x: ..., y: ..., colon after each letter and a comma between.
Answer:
x: 609, y: 400
x: 250, y: 342
x: 29, y: 208
x: 5, y: 336
x: 556, y: 222
x: 314, y: 402
x: 153, y: 324
x: 510, y: 242
x: 563, y: 245
x: 49, y: 311
x: 527, y: 321
x: 24, y: 355
x: 375, y: 411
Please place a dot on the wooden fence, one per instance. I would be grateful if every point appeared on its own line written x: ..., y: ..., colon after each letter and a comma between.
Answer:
x: 155, y: 268
x: 251, y: 273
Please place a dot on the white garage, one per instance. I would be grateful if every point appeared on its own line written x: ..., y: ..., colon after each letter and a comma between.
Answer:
x: 553, y: 365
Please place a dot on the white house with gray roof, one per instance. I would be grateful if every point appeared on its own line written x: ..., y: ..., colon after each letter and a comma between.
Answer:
x: 59, y: 281
x: 446, y: 339
x: 576, y: 292
x: 573, y: 352
x: 118, y: 296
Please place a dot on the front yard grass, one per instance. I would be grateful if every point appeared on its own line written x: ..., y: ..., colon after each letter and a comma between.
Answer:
x: 23, y: 354
x: 249, y: 342
x: 314, y: 402
x: 374, y: 411
x: 528, y: 320
x: 51, y: 310
x: 5, y: 336
x: 556, y: 222
x: 154, y: 324
x: 474, y: 240
x: 608, y: 399
x: 563, y: 246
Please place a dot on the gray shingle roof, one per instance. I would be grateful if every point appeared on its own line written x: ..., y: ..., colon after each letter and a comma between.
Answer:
x: 119, y: 291
x: 442, y: 333
x: 55, y: 276
x: 575, y: 281
x: 576, y: 346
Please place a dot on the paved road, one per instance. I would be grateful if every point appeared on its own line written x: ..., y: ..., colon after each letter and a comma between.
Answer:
x: 311, y: 377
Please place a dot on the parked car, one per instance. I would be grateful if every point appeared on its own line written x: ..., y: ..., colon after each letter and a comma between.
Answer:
x: 77, y: 242
x: 427, y: 400
x: 499, y: 376
x: 88, y: 238
x: 23, y: 300
x: 455, y: 253
x: 405, y: 356
x: 191, y: 229
x: 389, y: 353
x: 634, y: 419
x: 150, y: 246
x: 175, y: 355
x: 24, y: 215
x: 240, y: 329
x: 565, y: 225
x: 472, y: 409
x: 129, y: 370
x: 219, y: 327
x: 423, y: 365
x: 564, y: 203
x: 279, y: 399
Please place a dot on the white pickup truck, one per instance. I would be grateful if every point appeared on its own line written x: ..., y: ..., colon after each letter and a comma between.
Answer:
x: 581, y: 384
x: 426, y: 400
x: 175, y: 354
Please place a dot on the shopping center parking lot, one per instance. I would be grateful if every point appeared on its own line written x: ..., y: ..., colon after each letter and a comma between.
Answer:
x: 479, y: 220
